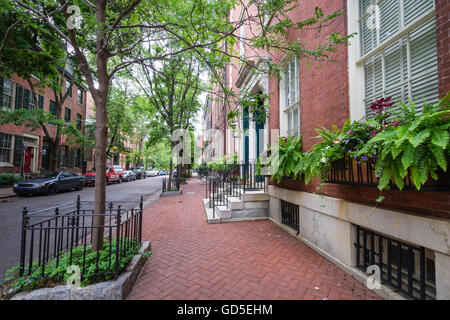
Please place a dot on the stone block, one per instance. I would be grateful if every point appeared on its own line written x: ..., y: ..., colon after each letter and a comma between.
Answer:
x: 102, y: 291
x: 39, y: 294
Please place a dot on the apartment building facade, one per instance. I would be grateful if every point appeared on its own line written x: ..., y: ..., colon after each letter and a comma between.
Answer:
x: 401, y: 49
x: 27, y: 150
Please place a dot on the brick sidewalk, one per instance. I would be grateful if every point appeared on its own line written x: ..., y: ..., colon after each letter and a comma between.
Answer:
x: 7, y: 192
x: 242, y: 260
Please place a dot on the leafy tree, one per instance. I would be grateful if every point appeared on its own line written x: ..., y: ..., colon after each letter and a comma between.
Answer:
x: 118, y: 34
x: 35, y: 54
x: 172, y: 89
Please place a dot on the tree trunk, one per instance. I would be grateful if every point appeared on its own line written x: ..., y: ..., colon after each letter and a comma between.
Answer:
x: 53, y: 157
x: 101, y: 131
x: 100, y: 171
x: 169, y: 186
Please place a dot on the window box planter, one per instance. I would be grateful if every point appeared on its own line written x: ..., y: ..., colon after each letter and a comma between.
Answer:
x: 348, y: 171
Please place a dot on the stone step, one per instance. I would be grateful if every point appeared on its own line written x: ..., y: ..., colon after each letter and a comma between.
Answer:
x: 234, y: 203
x: 250, y: 196
x: 256, y: 204
x: 223, y: 212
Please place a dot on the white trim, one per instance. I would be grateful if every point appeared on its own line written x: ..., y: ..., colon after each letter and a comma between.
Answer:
x: 355, y: 71
x: 286, y: 110
x: 395, y: 37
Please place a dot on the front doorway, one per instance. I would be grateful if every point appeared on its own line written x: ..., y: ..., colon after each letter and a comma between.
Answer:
x: 245, y: 127
x: 28, y: 157
x: 31, y: 152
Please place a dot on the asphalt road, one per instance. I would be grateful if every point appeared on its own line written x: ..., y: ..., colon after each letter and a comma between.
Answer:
x: 11, y: 208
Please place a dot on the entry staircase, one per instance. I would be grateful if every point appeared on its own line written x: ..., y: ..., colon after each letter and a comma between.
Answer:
x: 236, y: 193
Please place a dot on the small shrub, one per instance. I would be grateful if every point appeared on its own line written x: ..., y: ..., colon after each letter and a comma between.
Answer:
x: 56, y: 275
x: 8, y: 179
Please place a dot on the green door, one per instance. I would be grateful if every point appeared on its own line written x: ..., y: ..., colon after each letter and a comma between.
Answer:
x: 246, y: 137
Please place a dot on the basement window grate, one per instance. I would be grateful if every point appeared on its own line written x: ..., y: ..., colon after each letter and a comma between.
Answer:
x: 290, y: 214
x: 408, y: 268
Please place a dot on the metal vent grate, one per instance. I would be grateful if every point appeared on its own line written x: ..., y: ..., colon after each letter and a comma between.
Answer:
x: 290, y: 215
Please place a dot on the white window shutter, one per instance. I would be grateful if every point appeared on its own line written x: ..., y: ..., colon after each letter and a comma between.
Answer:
x: 413, y: 9
x: 389, y: 19
x: 424, y: 62
x: 296, y: 121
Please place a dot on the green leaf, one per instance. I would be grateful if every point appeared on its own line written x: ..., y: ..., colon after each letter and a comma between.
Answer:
x: 440, y: 138
x: 420, y: 138
x: 385, y: 178
x: 408, y: 156
x: 439, y: 155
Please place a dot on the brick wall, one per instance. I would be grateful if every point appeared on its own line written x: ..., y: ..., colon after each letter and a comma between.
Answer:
x: 324, y: 96
x: 443, y: 45
x: 71, y: 103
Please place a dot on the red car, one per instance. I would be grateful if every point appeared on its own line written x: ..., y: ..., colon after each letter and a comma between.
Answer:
x: 113, y: 174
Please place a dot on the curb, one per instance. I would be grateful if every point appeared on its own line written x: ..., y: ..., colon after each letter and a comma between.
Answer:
x: 9, y: 196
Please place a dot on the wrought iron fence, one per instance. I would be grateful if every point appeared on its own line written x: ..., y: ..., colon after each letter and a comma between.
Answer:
x: 407, y: 268
x: 55, y: 233
x: 171, y: 184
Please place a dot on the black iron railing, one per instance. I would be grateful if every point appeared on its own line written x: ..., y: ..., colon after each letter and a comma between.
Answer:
x: 290, y: 215
x: 171, y: 184
x: 403, y: 266
x: 232, y: 181
x: 352, y: 172
x: 58, y: 232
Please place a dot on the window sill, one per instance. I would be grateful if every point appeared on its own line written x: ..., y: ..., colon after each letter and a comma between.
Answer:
x: 292, y: 106
x: 6, y: 165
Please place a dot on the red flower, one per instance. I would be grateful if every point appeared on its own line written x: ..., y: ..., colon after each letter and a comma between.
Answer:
x: 381, y: 105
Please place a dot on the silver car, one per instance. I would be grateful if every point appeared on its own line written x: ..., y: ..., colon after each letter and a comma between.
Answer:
x: 128, y: 176
x: 151, y: 173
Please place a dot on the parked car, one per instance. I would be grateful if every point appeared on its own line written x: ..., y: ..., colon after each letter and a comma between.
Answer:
x: 143, y: 172
x: 162, y: 172
x: 128, y: 175
x: 50, y: 183
x: 119, y: 170
x: 139, y: 172
x: 151, y: 172
x: 112, y: 175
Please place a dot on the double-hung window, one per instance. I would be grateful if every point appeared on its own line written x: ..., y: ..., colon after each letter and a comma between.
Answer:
x: 67, y: 115
x: 68, y: 88
x: 52, y: 108
x: 290, y: 98
x: 80, y: 96
x: 398, y: 51
x: 79, y: 121
x: 6, y: 148
x: 7, y: 93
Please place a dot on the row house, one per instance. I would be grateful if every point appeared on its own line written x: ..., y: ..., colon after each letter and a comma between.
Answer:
x: 21, y: 147
x: 401, y: 48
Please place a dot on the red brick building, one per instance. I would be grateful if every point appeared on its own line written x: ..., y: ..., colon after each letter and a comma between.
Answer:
x: 400, y: 49
x: 20, y: 146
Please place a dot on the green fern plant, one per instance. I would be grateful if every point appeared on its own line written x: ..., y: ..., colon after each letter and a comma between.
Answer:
x: 290, y: 158
x: 418, y: 147
x: 317, y: 161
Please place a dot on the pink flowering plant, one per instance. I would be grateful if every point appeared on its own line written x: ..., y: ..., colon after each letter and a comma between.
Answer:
x: 402, y: 142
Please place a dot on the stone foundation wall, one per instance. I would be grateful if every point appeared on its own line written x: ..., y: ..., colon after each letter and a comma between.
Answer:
x: 328, y: 225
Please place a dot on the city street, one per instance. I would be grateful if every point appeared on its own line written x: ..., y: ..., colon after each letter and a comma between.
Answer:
x: 11, y: 208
